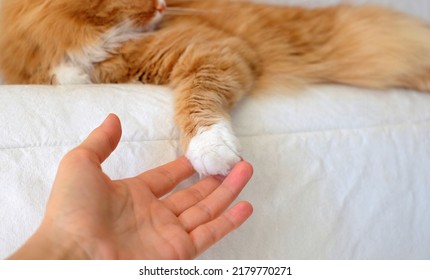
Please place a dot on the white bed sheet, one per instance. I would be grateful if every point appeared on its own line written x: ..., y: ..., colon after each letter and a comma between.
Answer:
x: 340, y: 172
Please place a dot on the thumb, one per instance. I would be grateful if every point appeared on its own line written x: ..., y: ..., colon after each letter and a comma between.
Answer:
x: 103, y: 140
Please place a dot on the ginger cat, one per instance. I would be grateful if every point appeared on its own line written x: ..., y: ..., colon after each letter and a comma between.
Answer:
x: 212, y: 53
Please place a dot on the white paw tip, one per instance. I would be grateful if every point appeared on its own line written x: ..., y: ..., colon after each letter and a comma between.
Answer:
x: 67, y: 74
x: 214, y: 150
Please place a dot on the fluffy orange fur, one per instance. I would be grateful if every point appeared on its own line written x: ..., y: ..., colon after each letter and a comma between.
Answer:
x: 213, y: 52
x: 35, y: 34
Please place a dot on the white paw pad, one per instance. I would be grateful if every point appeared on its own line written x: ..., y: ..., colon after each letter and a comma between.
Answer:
x: 214, y: 150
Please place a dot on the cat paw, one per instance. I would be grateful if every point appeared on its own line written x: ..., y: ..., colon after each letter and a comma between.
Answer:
x: 67, y: 74
x: 214, y: 150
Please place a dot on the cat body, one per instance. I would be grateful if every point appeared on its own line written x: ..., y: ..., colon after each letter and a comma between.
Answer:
x: 211, y: 53
x: 41, y: 38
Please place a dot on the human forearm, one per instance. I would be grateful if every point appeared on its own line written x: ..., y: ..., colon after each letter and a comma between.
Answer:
x: 47, y: 244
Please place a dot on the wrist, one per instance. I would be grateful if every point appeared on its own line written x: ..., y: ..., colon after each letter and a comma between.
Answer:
x: 49, y: 244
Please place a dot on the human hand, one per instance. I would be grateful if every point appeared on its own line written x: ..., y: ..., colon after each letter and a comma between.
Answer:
x: 91, y: 216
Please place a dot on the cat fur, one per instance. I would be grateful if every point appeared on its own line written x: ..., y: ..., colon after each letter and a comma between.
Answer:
x: 211, y: 53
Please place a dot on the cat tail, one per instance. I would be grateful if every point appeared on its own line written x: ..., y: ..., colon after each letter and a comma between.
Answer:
x: 368, y: 46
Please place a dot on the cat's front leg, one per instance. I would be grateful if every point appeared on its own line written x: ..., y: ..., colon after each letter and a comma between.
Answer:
x: 206, y: 132
x: 208, y: 82
x: 70, y: 74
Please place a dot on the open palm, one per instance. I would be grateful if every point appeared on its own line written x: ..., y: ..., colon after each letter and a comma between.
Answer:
x: 133, y: 218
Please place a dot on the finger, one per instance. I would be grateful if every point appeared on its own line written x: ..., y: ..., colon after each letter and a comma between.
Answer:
x: 103, y: 140
x: 184, y: 199
x: 208, y: 234
x: 213, y: 205
x: 164, y: 178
